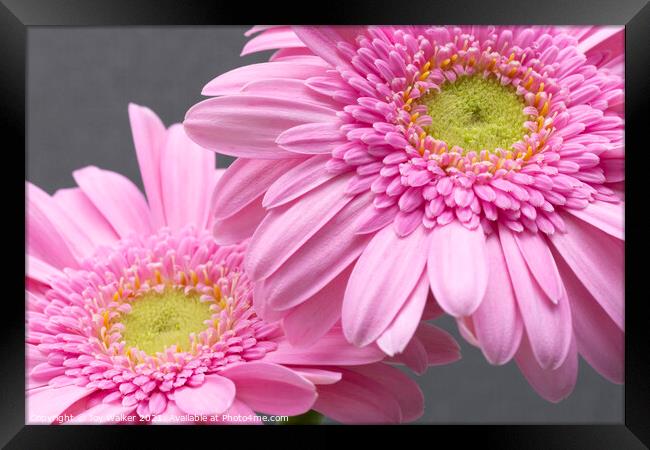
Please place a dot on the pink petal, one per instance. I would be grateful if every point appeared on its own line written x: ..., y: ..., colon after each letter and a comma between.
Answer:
x: 39, y: 270
x: 117, y: 198
x: 244, y: 181
x: 323, y: 41
x: 440, y: 346
x: 331, y: 349
x: 103, y: 413
x: 302, y: 275
x: 318, y: 376
x: 600, y: 342
x: 296, y: 223
x: 297, y: 180
x: 312, y: 138
x: 149, y: 135
x: 309, y: 321
x: 187, y: 177
x: 231, y: 82
x: 548, y: 325
x: 398, y: 334
x: 535, y: 251
x: 214, y: 396
x: 497, y: 321
x: 44, y: 239
x: 241, y: 225
x: 280, y: 37
x: 458, y: 268
x: 381, y: 281
x: 289, y: 88
x: 271, y: 388
x: 597, y: 259
x: 48, y: 403
x: 608, y: 217
x: 89, y: 219
x: 172, y: 415
x: 553, y: 385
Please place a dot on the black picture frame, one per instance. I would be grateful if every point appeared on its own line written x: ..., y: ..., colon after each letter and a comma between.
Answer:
x: 18, y: 16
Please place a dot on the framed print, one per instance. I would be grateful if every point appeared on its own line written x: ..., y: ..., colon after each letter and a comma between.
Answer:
x: 374, y: 216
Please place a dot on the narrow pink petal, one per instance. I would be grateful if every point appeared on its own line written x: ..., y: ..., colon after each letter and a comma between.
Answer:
x: 309, y: 321
x: 214, y: 396
x: 597, y: 259
x: 241, y: 225
x: 297, y: 180
x: 323, y: 41
x: 312, y: 138
x: 404, y: 390
x: 318, y: 376
x: 295, y: 223
x: 497, y: 321
x: 600, y: 342
x: 440, y: 346
x: 414, y: 356
x: 331, y: 349
x: 382, y: 279
x: 94, y: 224
x: 398, y: 334
x: 548, y: 325
x: 302, y: 275
x: 149, y: 135
x: 224, y: 124
x: 279, y: 37
x: 553, y: 385
x: 358, y: 399
x: 244, y: 181
x: 374, y: 219
x: 458, y: 268
x: 271, y: 388
x: 48, y: 402
x: 39, y: 270
x: 614, y: 169
x: 289, y: 88
x: 610, y: 40
x: 117, y: 198
x: 187, y: 175
x: 535, y: 251
x: 44, y: 239
x: 231, y: 82
x: 608, y: 217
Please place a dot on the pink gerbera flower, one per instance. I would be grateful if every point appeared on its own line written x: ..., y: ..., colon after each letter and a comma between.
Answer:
x: 136, y: 314
x: 482, y: 163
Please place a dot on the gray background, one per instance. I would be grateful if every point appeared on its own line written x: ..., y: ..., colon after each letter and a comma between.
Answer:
x: 80, y: 81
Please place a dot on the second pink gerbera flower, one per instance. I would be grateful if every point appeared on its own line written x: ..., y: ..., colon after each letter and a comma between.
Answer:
x: 483, y: 164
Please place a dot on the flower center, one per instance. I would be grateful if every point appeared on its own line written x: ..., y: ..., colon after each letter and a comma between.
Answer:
x: 476, y: 113
x: 157, y: 321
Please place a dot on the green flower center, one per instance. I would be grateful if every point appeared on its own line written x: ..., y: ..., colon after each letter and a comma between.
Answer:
x: 476, y: 114
x: 157, y: 321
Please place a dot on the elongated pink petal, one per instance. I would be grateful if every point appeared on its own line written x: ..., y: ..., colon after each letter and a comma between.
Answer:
x: 318, y: 376
x: 440, y: 346
x: 297, y: 181
x: 397, y: 335
x: 149, y: 135
x: 39, y: 270
x: 117, y: 198
x: 224, y: 123
x: 187, y: 174
x: 358, y: 399
x: 296, y: 223
x: 309, y: 321
x: 280, y: 37
x: 553, y: 385
x: 381, y: 281
x: 94, y: 224
x: 45, y: 404
x: 597, y: 260
x: 44, y: 239
x: 600, y: 342
x: 231, y: 82
x: 323, y: 41
x: 497, y: 320
x: 289, y: 88
x: 608, y: 217
x: 331, y: 349
x: 214, y: 396
x: 240, y: 226
x: 548, y: 325
x: 541, y: 265
x: 458, y: 268
x: 312, y: 138
x: 271, y: 388
x: 302, y: 275
x: 244, y: 181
